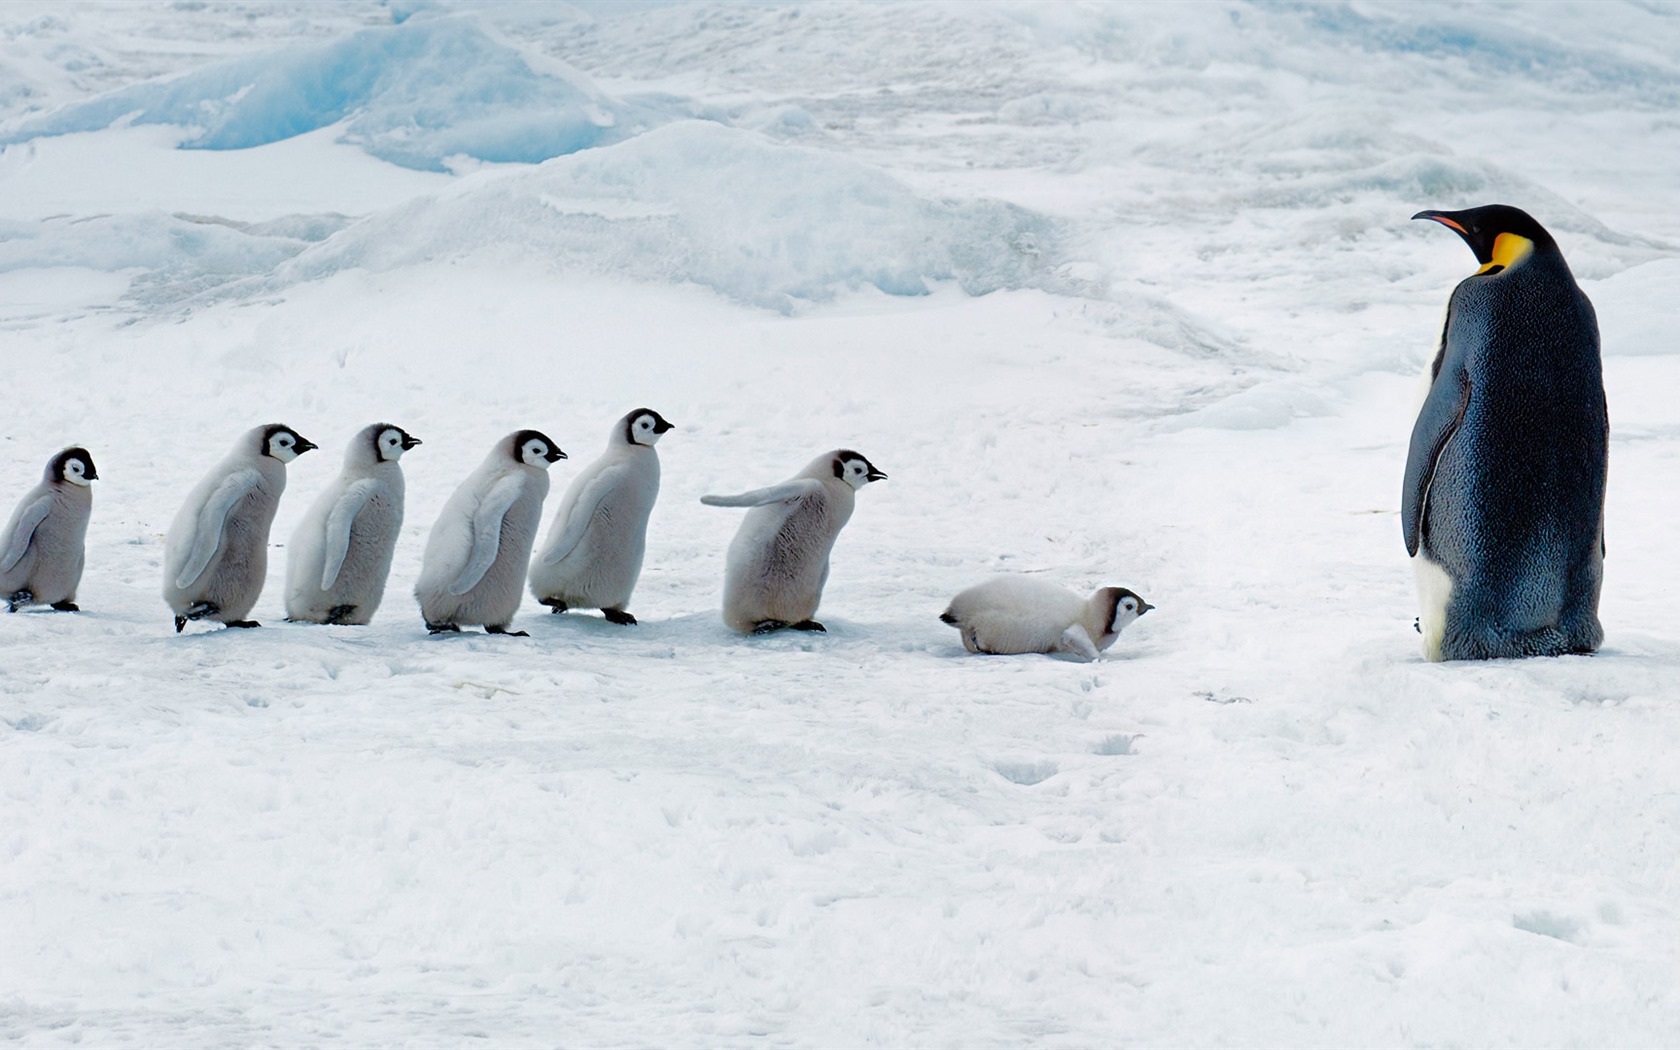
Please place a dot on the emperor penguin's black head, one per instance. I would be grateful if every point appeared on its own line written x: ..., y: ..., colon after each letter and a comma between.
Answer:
x: 283, y: 443
x: 856, y: 471
x: 1500, y: 235
x: 389, y: 442
x: 534, y: 449
x: 73, y: 465
x: 644, y: 426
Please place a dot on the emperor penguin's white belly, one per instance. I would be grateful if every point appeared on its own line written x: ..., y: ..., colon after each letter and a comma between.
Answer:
x: 1434, y: 591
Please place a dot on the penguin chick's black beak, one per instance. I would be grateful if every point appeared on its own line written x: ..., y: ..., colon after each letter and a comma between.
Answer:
x: 662, y: 426
x: 874, y: 475
x: 1143, y: 607
x: 555, y: 456
x: 409, y: 441
x: 304, y: 445
x: 92, y: 473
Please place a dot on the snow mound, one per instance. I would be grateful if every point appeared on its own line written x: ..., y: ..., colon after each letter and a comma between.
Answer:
x: 415, y: 94
x: 760, y: 222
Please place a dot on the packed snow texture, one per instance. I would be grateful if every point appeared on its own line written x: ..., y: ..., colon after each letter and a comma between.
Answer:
x: 1117, y: 294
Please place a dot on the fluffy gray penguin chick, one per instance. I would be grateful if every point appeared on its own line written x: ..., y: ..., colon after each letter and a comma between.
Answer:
x: 1503, y: 501
x: 340, y: 553
x: 778, y: 562
x: 215, y: 559
x: 480, y: 546
x: 1019, y: 614
x: 593, y: 555
x: 44, y: 546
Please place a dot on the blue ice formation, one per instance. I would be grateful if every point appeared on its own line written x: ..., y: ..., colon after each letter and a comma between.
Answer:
x: 414, y: 94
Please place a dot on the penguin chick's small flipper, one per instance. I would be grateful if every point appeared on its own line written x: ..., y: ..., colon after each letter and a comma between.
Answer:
x: 787, y: 490
x: 503, y: 630
x: 583, y: 512
x: 808, y: 625
x: 339, y: 521
x: 1076, y: 641
x: 619, y: 616
x: 207, y: 530
x: 18, y: 542
x: 487, y: 532
x: 1442, y: 412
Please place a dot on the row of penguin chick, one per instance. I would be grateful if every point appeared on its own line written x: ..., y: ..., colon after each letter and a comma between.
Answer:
x: 479, y: 557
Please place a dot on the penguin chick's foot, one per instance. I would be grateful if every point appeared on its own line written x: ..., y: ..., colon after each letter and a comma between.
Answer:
x: 554, y: 604
x: 339, y: 613
x: 767, y: 626
x: 503, y: 630
x: 808, y: 625
x: 442, y: 628
x: 619, y: 616
x: 196, y: 611
x: 65, y: 607
x: 18, y: 599
x: 243, y: 623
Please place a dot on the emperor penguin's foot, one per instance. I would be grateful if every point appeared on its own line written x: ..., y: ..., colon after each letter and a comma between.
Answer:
x: 65, y: 607
x: 554, y: 604
x: 18, y: 599
x: 442, y: 628
x: 619, y: 616
x: 180, y: 624
x: 808, y: 625
x: 767, y: 626
x: 339, y: 613
x: 242, y: 623
x: 502, y: 629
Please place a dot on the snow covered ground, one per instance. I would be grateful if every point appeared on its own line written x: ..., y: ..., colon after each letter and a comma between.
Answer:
x: 1116, y: 294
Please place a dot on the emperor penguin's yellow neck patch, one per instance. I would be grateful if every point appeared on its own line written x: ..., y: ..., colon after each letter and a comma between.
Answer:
x: 1508, y: 250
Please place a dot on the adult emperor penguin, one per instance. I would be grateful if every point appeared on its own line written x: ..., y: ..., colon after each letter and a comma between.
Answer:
x: 593, y: 555
x: 215, y: 559
x: 474, y: 568
x: 43, y: 547
x: 1019, y: 614
x: 340, y: 553
x: 778, y: 562
x: 1503, y: 504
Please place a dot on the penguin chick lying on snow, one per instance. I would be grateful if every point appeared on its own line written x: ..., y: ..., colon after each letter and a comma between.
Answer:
x: 1014, y: 614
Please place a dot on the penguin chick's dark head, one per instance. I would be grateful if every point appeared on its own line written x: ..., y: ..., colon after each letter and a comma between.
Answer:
x: 534, y: 449
x: 283, y: 443
x: 74, y: 465
x: 644, y: 426
x: 1500, y: 235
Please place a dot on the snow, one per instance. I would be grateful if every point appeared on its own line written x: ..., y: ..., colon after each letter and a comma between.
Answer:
x: 1115, y: 294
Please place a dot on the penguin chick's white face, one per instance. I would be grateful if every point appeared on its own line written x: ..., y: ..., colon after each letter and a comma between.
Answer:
x: 534, y: 449
x: 76, y: 473
x: 647, y: 427
x: 284, y: 445
x: 1127, y: 607
x: 855, y: 470
x: 392, y: 442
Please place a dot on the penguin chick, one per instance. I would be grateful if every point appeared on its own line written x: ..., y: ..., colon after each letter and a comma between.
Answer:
x: 778, y: 562
x: 215, y: 559
x: 474, y: 567
x: 44, y: 545
x: 593, y: 555
x: 340, y: 553
x: 1018, y: 614
x: 1502, y: 507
